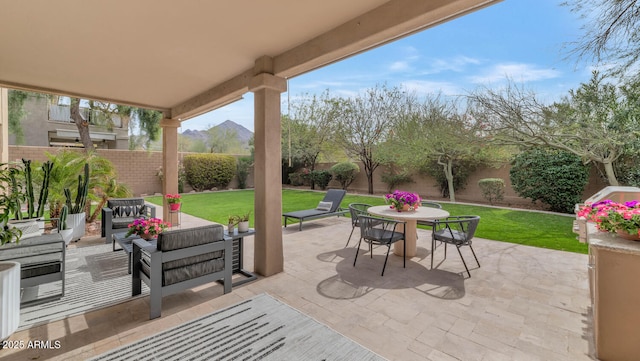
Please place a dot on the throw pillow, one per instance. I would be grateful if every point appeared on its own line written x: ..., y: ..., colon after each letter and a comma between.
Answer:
x: 324, y: 206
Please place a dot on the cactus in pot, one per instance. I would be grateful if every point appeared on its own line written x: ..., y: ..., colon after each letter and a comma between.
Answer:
x: 47, y: 167
x: 81, y: 195
x: 77, y: 215
x: 28, y: 188
x: 29, y: 194
x: 64, y: 213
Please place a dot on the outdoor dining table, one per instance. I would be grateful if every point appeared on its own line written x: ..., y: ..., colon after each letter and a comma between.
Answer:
x: 411, y: 227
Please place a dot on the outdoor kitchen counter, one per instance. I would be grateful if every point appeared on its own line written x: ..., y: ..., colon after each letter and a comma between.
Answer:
x: 615, y: 285
x: 610, y: 241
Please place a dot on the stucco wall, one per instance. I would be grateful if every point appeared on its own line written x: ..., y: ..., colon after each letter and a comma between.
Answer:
x: 427, y: 187
x: 138, y: 170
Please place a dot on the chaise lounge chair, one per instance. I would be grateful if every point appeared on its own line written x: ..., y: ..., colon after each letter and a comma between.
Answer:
x: 329, y: 206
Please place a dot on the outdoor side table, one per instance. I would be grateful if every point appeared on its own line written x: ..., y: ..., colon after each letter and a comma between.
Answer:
x: 238, y: 240
x: 127, y: 245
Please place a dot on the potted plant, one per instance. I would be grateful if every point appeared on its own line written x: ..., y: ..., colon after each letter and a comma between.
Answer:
x: 31, y: 223
x: 609, y: 216
x: 174, y: 201
x: 147, y: 228
x: 231, y: 223
x: 243, y: 222
x: 403, y: 201
x: 77, y: 216
x: 10, y: 198
x: 65, y: 232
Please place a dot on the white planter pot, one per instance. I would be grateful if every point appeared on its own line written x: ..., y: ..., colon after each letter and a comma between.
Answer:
x: 29, y: 227
x: 40, y: 222
x: 9, y: 298
x: 67, y: 235
x: 243, y: 227
x: 76, y: 221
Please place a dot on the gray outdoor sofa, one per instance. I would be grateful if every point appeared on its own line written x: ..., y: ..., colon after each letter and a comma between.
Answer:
x: 329, y: 206
x: 41, y: 259
x: 182, y: 259
x: 119, y: 212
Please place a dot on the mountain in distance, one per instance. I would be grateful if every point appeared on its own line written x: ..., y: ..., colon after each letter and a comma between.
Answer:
x: 243, y: 134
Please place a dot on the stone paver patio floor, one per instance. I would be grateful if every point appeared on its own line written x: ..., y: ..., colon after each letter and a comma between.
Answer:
x: 524, y: 303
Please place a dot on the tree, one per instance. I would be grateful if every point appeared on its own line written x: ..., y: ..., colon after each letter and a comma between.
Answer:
x: 16, y: 113
x: 307, y: 131
x: 82, y: 125
x: 149, y: 124
x: 595, y: 122
x: 222, y: 140
x: 365, y: 123
x: 434, y: 131
x: 68, y: 164
x: 611, y: 33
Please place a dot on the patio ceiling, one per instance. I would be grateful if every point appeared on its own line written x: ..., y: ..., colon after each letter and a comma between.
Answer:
x: 186, y: 58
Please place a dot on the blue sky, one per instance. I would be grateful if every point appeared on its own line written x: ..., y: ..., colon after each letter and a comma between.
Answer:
x: 519, y: 39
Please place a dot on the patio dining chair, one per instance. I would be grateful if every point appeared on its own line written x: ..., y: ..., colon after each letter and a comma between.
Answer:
x: 356, y: 210
x: 428, y: 223
x: 381, y: 231
x: 457, y: 231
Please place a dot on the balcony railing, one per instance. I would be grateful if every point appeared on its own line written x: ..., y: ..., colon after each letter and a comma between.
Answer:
x: 62, y: 113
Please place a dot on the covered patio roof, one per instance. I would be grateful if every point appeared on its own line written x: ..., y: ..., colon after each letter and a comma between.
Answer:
x: 188, y: 58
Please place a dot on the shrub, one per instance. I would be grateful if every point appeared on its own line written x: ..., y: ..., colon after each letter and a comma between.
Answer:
x: 553, y: 177
x: 206, y: 171
x: 296, y: 178
x: 244, y: 164
x: 492, y: 189
x: 393, y: 180
x: 345, y: 173
x: 321, y: 178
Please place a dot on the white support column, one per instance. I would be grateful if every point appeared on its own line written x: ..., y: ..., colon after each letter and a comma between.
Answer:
x: 268, y: 250
x: 169, y: 161
x: 4, y: 125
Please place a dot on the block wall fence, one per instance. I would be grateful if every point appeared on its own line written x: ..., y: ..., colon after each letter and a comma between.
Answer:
x: 139, y: 169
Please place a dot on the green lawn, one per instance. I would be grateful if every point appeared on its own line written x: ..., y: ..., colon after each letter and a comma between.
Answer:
x: 514, y: 226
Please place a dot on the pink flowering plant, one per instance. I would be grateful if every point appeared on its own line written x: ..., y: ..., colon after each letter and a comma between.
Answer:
x: 147, y: 227
x: 173, y: 198
x: 399, y: 198
x: 610, y: 216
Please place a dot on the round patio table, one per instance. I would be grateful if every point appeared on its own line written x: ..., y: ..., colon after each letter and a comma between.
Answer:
x: 411, y: 227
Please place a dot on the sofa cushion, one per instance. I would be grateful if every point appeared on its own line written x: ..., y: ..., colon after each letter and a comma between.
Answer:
x: 195, y: 270
x: 189, y: 267
x: 37, y: 256
x: 122, y: 222
x: 127, y: 207
x: 189, y: 237
x: 29, y: 250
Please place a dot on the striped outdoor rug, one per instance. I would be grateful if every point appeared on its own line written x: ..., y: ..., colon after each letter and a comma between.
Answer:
x: 96, y: 277
x: 261, y: 328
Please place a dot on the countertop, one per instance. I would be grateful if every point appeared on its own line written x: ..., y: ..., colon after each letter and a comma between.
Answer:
x: 609, y: 241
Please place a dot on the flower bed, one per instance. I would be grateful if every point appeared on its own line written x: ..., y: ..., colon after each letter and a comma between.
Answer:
x: 613, y: 217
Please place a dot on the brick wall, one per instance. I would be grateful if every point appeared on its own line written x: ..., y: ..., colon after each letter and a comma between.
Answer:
x: 138, y: 170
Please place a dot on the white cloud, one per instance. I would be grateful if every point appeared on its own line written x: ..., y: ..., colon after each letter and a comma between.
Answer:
x: 456, y: 64
x: 322, y: 84
x: 400, y: 66
x: 518, y: 72
x: 425, y: 87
